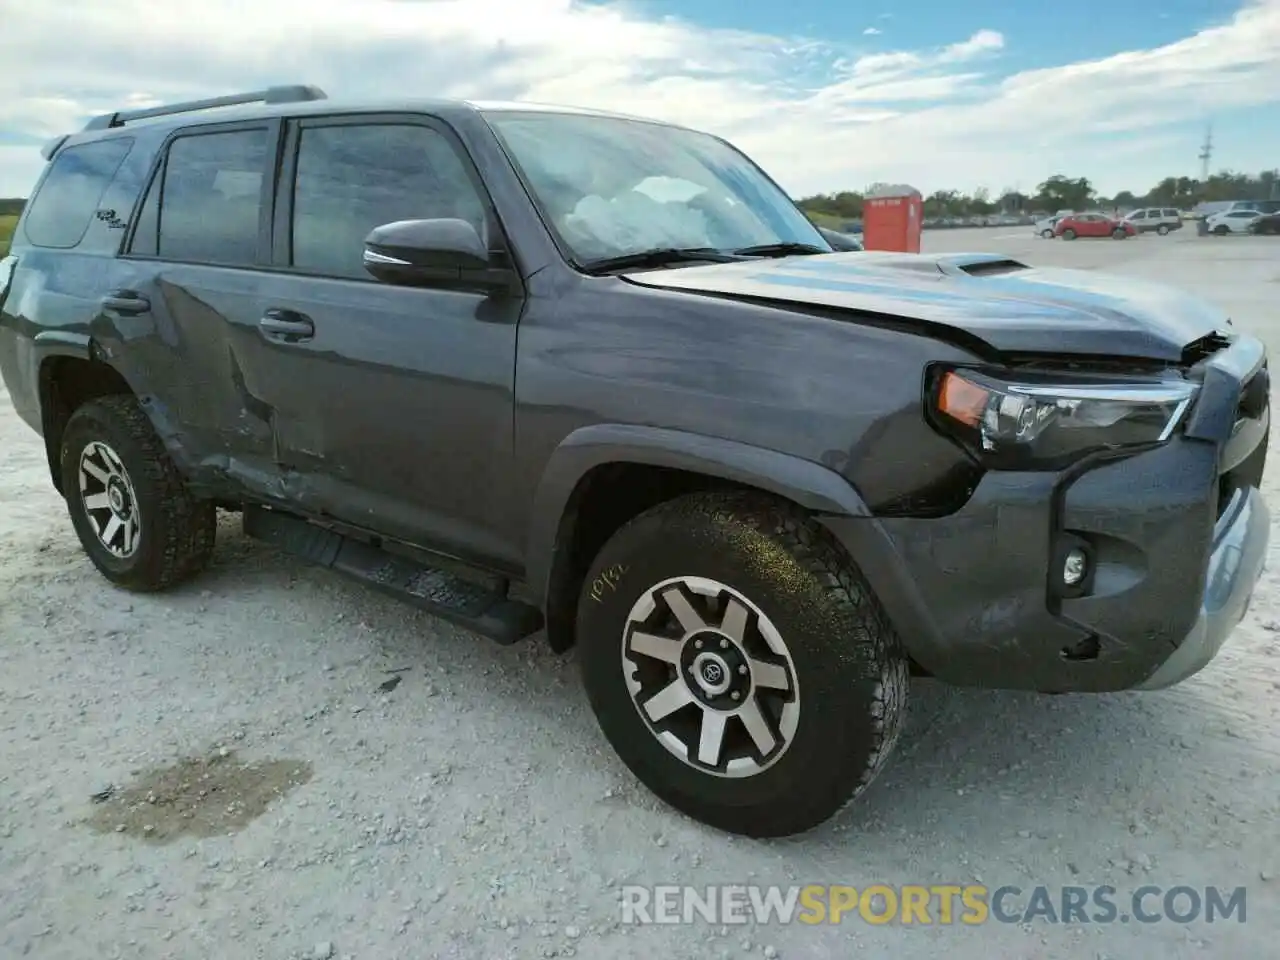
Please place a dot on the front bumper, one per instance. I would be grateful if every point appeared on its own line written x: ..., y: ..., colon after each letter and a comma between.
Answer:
x: 1179, y: 535
x: 1239, y: 555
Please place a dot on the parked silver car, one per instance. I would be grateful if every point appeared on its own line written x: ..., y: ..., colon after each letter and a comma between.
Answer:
x: 1044, y: 228
x: 1158, y: 219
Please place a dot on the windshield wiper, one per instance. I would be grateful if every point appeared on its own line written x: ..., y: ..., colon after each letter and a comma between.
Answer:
x: 778, y: 250
x: 659, y: 257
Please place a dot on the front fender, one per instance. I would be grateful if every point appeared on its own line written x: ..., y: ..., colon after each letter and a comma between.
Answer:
x: 809, y: 484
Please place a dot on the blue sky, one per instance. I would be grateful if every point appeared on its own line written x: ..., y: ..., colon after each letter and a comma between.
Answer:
x: 826, y: 95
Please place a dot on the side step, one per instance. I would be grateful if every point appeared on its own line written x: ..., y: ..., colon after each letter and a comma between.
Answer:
x: 481, y: 607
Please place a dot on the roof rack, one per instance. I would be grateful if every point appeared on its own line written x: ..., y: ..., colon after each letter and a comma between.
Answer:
x: 294, y: 93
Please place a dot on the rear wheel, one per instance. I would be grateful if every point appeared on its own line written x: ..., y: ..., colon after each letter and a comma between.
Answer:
x: 130, y: 507
x: 1163, y: 229
x: 739, y: 664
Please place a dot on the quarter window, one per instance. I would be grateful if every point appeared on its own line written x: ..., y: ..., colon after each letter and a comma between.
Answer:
x: 354, y: 177
x: 66, y: 202
x: 210, y: 200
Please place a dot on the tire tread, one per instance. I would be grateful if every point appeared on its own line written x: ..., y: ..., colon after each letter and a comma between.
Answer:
x: 188, y: 526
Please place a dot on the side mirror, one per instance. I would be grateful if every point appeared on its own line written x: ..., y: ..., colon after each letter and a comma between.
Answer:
x: 426, y: 253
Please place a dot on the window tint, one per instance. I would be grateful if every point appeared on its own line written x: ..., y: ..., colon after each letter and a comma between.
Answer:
x: 212, y: 191
x: 70, y: 194
x: 1140, y: 215
x: 1171, y: 213
x: 351, y: 179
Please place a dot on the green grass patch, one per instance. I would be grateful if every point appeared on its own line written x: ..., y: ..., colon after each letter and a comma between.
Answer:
x: 7, y: 225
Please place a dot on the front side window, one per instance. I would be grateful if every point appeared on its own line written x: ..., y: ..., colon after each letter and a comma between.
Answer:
x: 609, y: 187
x: 211, y: 198
x: 66, y: 202
x: 352, y: 178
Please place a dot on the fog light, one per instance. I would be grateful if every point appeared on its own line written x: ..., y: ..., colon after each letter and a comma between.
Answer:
x: 1075, y: 567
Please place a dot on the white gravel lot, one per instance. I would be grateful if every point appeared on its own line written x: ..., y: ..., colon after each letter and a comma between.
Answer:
x: 475, y: 812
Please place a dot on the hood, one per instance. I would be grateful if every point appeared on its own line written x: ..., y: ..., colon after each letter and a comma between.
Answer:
x: 1009, y: 306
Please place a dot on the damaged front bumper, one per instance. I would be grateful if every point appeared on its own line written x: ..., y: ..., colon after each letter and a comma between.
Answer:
x: 1239, y: 556
x: 1177, y: 537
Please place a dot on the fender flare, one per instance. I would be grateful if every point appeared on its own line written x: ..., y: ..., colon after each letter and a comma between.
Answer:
x: 44, y: 345
x: 61, y: 343
x: 811, y: 485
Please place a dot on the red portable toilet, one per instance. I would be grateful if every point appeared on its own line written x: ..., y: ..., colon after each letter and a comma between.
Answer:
x: 891, y: 219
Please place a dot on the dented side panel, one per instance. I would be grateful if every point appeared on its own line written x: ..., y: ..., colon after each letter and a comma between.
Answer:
x: 396, y: 415
x: 183, y: 356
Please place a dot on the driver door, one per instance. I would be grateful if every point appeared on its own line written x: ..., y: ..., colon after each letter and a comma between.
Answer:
x: 392, y: 405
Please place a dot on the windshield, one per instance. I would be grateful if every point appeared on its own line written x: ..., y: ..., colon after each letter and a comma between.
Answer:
x: 611, y: 187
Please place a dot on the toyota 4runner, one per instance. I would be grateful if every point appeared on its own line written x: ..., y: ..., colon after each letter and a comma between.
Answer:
x: 544, y: 369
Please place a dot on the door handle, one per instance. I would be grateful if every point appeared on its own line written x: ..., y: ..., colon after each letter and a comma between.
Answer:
x: 128, y: 302
x: 286, y: 325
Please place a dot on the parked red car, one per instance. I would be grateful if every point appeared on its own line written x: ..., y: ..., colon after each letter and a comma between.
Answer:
x: 1093, y: 225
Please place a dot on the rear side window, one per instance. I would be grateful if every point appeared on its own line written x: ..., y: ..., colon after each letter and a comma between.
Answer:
x: 204, y: 206
x: 68, y: 198
x: 352, y: 177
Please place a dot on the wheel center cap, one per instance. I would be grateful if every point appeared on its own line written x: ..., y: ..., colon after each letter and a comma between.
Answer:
x: 115, y: 496
x: 712, y: 673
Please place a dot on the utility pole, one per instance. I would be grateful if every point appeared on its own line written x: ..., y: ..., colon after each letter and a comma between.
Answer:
x: 1206, y: 153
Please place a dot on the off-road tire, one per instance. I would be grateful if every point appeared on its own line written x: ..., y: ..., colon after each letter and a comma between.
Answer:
x: 177, y: 530
x: 849, y: 664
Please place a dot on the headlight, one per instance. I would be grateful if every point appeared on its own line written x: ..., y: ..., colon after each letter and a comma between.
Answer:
x: 1046, y: 426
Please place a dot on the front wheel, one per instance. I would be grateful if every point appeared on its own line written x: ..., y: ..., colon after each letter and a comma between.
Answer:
x: 739, y: 664
x: 1163, y: 229
x: 130, y: 507
x: 1047, y: 234
x: 1068, y: 234
x: 1120, y: 233
x: 1221, y: 230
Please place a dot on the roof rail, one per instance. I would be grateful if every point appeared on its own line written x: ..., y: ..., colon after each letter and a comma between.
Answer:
x: 294, y: 93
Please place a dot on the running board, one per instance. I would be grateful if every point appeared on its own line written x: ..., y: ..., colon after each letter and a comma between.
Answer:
x: 483, y: 608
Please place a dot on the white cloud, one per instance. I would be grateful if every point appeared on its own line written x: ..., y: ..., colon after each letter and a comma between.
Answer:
x: 812, y: 113
x: 871, y: 32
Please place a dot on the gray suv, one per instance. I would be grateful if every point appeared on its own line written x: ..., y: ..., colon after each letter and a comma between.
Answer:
x: 544, y: 371
x: 1159, y: 220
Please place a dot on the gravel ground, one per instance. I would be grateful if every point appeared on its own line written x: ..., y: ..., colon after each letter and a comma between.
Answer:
x: 234, y: 770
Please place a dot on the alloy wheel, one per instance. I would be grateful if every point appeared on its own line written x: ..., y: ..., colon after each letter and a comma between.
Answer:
x: 109, y: 500
x: 711, y: 676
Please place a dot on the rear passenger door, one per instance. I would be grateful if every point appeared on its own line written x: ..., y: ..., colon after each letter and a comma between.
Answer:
x: 394, y: 411
x: 194, y: 258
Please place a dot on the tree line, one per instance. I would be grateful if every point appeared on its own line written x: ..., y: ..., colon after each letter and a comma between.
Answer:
x: 11, y: 206
x: 1065, y: 193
